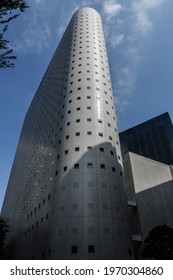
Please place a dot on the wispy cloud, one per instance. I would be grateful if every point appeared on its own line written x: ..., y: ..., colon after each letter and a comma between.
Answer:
x: 116, y: 40
x: 35, y: 38
x: 126, y: 26
x: 111, y: 8
x: 142, y: 11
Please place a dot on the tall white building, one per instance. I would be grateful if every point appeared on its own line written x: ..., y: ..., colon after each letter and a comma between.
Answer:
x: 65, y: 198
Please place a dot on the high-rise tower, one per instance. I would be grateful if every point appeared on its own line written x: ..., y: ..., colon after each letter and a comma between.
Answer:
x: 65, y: 198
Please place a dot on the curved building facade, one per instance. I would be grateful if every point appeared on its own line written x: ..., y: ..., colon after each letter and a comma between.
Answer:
x: 65, y: 198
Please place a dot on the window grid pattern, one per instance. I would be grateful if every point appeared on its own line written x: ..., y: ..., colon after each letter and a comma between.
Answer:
x: 72, y: 129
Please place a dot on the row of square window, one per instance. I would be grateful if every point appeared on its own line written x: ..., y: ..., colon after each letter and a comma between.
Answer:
x: 66, y: 51
x: 87, y: 36
x: 88, y: 108
x: 77, y: 134
x: 63, y: 187
x: 88, y: 87
x: 89, y: 165
x: 74, y: 250
x: 87, y: 52
x: 89, y: 120
x: 62, y: 208
x: 39, y: 206
x: 77, y: 149
x: 100, y: 134
x: 90, y: 205
x: 89, y: 185
x: 46, y: 80
x: 79, y: 88
x: 81, y: 37
x: 46, y: 102
x: 37, y: 224
x: 75, y: 206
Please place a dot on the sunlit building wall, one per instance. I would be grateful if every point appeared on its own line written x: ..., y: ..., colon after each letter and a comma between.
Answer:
x: 65, y: 198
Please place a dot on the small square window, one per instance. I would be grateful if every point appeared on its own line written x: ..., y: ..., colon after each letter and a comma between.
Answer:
x: 76, y: 166
x: 78, y: 120
x: 113, y: 169
x: 110, y: 137
x: 99, y: 121
x: 101, y: 149
x: 100, y: 134
x: 90, y: 248
x: 77, y: 133
x: 78, y: 108
x: 88, y: 107
x: 89, y: 165
x: 102, y: 166
x: 68, y: 123
x: 79, y: 88
x: 49, y: 252
x: 74, y: 249
x: 75, y: 206
x: 112, y: 153
x: 76, y: 185
x: 67, y: 137
x: 88, y: 97
x: 88, y: 119
x: 89, y: 132
x: 78, y: 98
x: 77, y: 149
x: 65, y: 168
x: 66, y: 152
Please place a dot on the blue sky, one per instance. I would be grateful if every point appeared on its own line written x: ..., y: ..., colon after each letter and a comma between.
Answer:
x: 140, y: 49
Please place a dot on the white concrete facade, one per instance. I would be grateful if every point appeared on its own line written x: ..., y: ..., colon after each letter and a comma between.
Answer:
x: 65, y: 197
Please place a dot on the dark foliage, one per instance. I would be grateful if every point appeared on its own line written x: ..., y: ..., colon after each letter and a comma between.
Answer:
x: 158, y: 245
x: 9, y: 10
x: 4, y: 229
